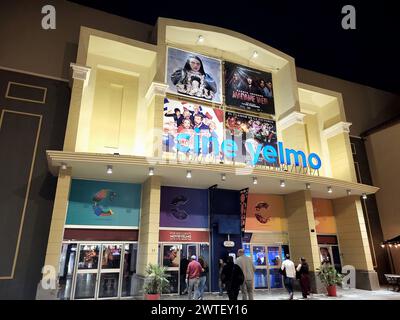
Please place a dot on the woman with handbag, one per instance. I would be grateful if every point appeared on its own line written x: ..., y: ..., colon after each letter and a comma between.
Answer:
x: 302, y: 272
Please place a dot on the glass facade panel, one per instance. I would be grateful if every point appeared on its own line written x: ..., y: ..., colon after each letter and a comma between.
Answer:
x: 108, y: 285
x: 260, y: 279
x: 85, y: 285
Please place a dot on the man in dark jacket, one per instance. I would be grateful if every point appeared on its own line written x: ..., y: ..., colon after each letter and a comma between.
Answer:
x: 232, y: 276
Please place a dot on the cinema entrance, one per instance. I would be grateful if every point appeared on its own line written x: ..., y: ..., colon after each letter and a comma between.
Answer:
x: 97, y: 270
x: 175, y: 257
x: 267, y: 260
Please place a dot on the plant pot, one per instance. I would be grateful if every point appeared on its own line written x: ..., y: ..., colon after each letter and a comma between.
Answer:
x: 331, y: 291
x: 155, y: 296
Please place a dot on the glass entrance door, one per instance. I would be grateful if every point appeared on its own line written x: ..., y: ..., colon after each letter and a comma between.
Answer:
x: 99, y: 271
x: 87, y: 271
x: 176, y: 258
x: 330, y: 254
x: 266, y: 260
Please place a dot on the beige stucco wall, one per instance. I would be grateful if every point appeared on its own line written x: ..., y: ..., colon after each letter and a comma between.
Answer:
x: 49, y: 52
x: 365, y: 107
x: 383, y: 149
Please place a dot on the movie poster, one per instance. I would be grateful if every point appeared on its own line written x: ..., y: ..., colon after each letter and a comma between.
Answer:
x: 185, y: 122
x: 248, y: 89
x: 194, y: 75
x: 251, y: 135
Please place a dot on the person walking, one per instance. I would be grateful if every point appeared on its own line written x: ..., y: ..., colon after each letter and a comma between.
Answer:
x: 193, y: 277
x: 221, y: 265
x: 203, y: 278
x: 289, y: 273
x: 232, y: 277
x: 246, y: 264
x: 303, y: 271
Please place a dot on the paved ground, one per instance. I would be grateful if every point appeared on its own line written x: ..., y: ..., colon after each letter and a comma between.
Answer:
x: 278, y: 294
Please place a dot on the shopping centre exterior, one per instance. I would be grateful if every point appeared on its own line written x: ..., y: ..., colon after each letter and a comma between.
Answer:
x: 192, y: 139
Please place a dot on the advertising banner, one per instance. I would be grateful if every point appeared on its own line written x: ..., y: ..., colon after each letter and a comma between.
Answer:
x: 198, y: 129
x: 194, y: 75
x: 100, y: 203
x: 184, y: 208
x: 265, y: 213
x: 248, y: 89
x: 255, y: 139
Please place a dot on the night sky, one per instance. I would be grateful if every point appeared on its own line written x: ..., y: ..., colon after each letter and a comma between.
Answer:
x: 309, y: 31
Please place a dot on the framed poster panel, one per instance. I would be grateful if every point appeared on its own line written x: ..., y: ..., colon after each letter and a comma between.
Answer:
x: 194, y: 75
x: 248, y: 89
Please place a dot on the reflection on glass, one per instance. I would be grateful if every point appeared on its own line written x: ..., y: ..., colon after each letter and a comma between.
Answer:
x: 129, y: 269
x: 246, y: 248
x: 275, y: 278
x: 108, y: 285
x: 111, y: 256
x: 67, y: 264
x: 336, y: 258
x: 259, y: 256
x: 273, y: 256
x: 191, y: 250
x: 88, y: 257
x: 260, y: 279
x: 172, y: 277
x: 171, y: 256
x: 85, y: 285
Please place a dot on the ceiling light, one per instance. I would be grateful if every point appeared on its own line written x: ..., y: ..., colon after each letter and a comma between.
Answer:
x: 151, y: 171
x: 189, y: 174
x: 364, y: 196
x: 382, y: 245
x: 282, y: 184
x: 255, y: 181
x: 255, y: 54
x: 390, y: 245
x: 348, y: 192
x: 63, y: 166
x: 223, y: 177
x: 330, y: 190
x: 109, y: 169
x: 200, y: 39
x: 308, y: 186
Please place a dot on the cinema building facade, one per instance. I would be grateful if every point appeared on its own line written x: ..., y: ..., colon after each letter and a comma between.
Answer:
x: 174, y: 148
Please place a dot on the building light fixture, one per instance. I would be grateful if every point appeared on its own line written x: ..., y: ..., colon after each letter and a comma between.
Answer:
x: 383, y: 245
x: 348, y: 192
x: 330, y: 189
x: 188, y: 174
x: 223, y: 176
x: 63, y: 166
x: 109, y: 169
x: 308, y: 186
x: 200, y: 39
x: 282, y: 184
x: 151, y: 171
x: 255, y: 54
x: 255, y: 181
x: 364, y: 196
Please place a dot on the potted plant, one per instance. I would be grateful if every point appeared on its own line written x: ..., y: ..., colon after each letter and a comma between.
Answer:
x: 156, y: 282
x: 330, y: 277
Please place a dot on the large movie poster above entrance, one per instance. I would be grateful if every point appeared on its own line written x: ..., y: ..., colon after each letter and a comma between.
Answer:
x: 103, y: 204
x: 248, y: 89
x: 265, y: 213
x: 184, y: 121
x: 255, y: 138
x: 183, y: 208
x: 194, y: 75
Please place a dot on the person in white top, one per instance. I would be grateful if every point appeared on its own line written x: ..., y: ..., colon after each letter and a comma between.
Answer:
x: 289, y: 274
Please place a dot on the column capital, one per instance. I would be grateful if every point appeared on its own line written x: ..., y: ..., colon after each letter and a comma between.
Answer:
x: 80, y: 72
x: 156, y: 89
x: 337, y: 128
x: 293, y: 118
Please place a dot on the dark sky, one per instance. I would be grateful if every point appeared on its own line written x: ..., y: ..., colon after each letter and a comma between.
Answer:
x: 310, y: 31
